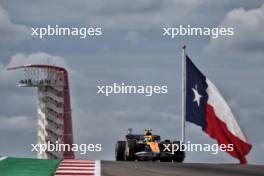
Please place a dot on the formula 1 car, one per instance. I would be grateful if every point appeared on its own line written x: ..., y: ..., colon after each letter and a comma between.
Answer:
x: 147, y: 147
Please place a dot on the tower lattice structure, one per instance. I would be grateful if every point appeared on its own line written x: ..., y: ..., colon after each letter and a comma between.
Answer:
x: 54, y: 108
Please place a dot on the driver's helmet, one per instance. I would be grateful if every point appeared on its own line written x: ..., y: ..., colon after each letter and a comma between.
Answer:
x: 148, y: 138
x: 148, y: 131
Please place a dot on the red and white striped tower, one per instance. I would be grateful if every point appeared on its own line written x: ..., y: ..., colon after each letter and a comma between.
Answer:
x: 54, y: 107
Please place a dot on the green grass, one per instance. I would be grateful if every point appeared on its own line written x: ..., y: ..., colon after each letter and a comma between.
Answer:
x: 28, y: 167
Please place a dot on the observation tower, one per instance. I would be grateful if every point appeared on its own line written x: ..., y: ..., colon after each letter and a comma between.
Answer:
x: 54, y: 107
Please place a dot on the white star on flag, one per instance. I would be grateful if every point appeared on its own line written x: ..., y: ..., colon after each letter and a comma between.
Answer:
x: 197, y: 96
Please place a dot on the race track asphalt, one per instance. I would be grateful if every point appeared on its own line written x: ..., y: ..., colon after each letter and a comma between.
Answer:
x: 112, y: 168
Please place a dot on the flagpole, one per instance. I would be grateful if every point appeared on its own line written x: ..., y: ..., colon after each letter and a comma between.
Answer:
x: 183, y: 91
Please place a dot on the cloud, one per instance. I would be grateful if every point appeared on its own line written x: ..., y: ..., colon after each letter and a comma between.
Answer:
x: 17, y: 123
x: 133, y: 37
x: 36, y: 58
x: 119, y: 14
x: 10, y: 30
x: 248, y: 32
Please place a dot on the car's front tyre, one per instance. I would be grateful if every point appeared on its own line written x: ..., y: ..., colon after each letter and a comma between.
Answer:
x: 120, y: 150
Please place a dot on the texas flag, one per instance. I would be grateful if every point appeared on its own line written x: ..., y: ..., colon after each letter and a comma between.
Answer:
x: 207, y: 108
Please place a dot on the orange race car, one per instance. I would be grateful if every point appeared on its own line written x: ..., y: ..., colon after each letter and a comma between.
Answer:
x: 147, y: 147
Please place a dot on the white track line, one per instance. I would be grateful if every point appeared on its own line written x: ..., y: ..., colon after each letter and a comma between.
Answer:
x: 75, y: 168
x: 71, y: 160
x: 2, y: 158
x: 79, y: 167
x: 97, y: 171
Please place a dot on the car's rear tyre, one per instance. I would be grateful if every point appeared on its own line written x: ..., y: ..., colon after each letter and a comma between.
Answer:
x: 120, y: 150
x: 178, y: 156
x: 165, y: 159
x: 131, y: 148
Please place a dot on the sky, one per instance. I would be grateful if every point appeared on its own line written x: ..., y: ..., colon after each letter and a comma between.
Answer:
x: 132, y: 50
